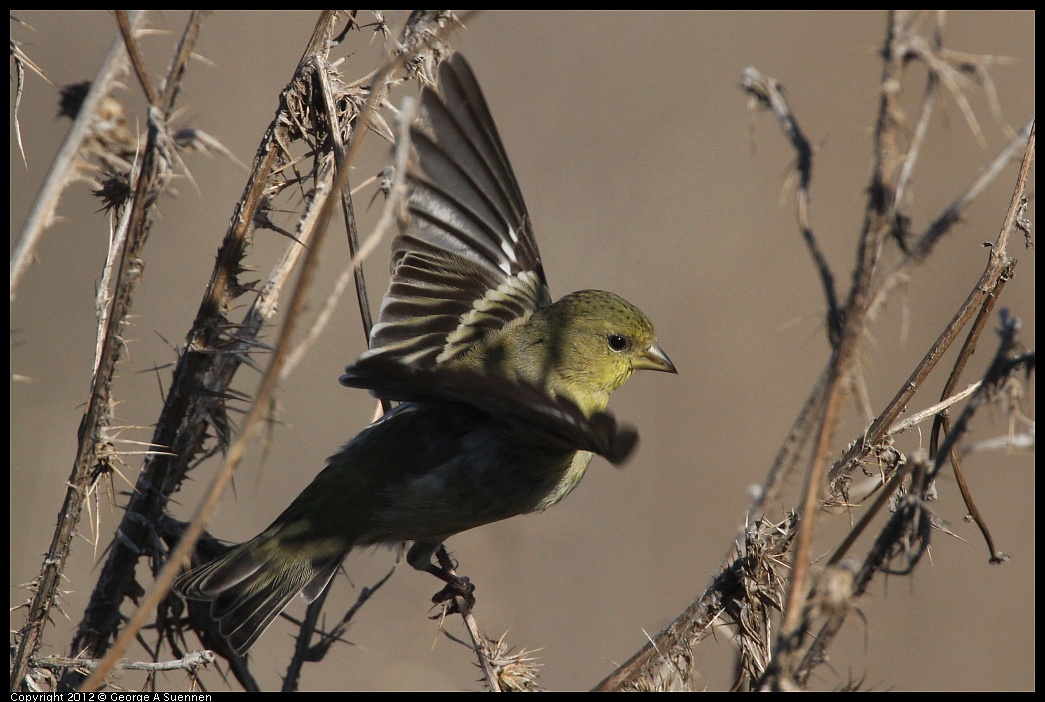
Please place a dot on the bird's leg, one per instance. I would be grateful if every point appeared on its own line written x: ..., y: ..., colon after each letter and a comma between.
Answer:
x: 420, y: 557
x: 457, y: 585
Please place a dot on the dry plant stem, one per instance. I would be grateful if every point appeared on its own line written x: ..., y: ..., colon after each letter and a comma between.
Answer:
x: 206, y: 510
x: 665, y: 662
x: 996, y: 556
x: 21, y: 61
x: 884, y: 495
x: 911, y: 515
x: 924, y: 245
x: 323, y: 74
x: 365, y: 594
x: 767, y: 92
x: 999, y: 269
x: 790, y: 450
x: 932, y: 410
x: 194, y: 406
x: 882, y: 218
x: 63, y: 169
x: 922, y: 127
x: 844, y: 353
x: 181, y: 553
x: 104, y: 291
x: 943, y: 422
x: 668, y: 656
x: 93, y: 446
x: 302, y: 643
x: 877, y: 223
x: 190, y: 661
x: 307, y: 652
x: 913, y: 151
x: 888, y: 154
x: 137, y: 62
x: 385, y: 223
x: 478, y: 641
x: 347, y: 208
x: 1003, y: 364
x: 879, y: 429
x: 890, y: 534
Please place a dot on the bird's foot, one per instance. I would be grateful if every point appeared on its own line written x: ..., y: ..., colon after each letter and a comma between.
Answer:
x: 460, y: 587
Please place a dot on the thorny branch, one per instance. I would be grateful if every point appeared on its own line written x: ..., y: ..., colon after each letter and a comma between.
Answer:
x: 194, y: 406
x: 63, y: 168
x: 191, y: 661
x: 907, y: 533
x: 747, y: 588
x: 827, y: 594
x: 339, y: 183
x: 785, y: 669
x: 876, y: 225
x: 318, y: 229
x: 93, y: 451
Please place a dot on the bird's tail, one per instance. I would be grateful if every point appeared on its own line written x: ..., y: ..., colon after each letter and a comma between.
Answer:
x: 251, y: 584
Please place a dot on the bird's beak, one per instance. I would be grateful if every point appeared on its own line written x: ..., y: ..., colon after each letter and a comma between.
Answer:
x: 654, y: 358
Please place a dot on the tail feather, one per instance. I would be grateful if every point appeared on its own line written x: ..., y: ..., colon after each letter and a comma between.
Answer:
x: 253, y: 583
x: 208, y: 581
x: 243, y: 616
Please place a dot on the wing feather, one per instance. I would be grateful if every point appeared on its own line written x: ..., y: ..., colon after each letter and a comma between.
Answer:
x: 465, y: 262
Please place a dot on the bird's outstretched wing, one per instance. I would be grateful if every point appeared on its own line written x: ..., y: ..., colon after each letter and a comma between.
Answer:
x: 464, y: 265
x: 534, y: 418
x: 465, y: 262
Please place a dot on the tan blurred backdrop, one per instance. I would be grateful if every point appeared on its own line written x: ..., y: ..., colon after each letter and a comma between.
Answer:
x: 646, y: 174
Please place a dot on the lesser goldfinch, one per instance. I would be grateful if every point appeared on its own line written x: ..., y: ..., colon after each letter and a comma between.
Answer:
x: 504, y: 391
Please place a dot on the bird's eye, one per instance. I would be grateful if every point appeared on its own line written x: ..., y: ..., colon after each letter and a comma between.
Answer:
x: 617, y: 342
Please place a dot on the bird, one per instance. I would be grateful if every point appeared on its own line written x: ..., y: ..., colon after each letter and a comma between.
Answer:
x: 503, y: 391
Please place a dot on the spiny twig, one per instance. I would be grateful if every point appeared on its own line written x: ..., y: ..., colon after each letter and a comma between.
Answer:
x: 150, y: 180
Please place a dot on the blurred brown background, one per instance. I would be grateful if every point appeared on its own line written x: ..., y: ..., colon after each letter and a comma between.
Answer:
x: 646, y: 174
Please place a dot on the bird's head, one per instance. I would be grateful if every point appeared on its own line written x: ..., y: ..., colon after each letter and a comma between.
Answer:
x: 593, y: 341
